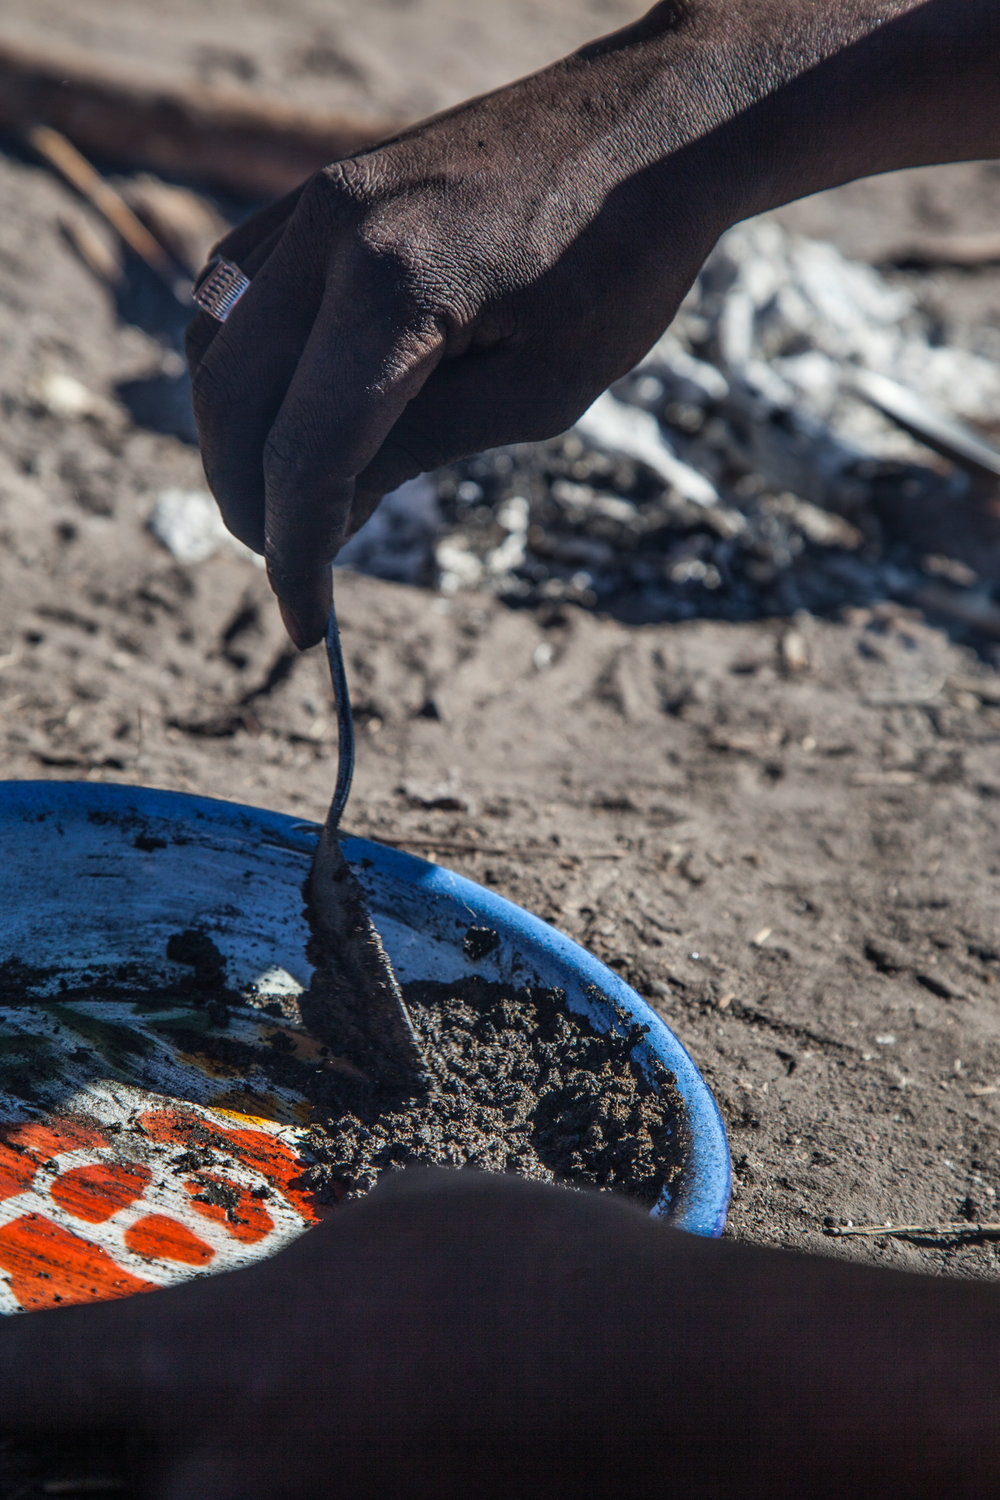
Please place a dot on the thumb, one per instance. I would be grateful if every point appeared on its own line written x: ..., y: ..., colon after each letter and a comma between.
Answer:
x: 149, y: 1363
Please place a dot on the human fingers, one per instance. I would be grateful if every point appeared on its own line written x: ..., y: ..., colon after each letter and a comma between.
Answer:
x: 482, y: 399
x: 241, y: 371
x: 247, y: 235
x: 372, y: 348
x: 247, y: 245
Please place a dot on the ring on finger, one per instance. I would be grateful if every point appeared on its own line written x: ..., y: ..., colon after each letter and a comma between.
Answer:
x: 219, y: 287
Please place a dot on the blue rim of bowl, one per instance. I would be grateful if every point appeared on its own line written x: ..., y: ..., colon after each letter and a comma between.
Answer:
x: 701, y: 1204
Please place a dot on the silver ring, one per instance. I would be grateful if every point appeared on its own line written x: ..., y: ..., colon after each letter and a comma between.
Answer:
x: 220, y: 288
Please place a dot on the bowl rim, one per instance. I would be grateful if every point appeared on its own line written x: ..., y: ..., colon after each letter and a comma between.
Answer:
x: 701, y: 1204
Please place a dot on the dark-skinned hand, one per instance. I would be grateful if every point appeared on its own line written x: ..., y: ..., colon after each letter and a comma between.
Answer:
x: 477, y: 281
x: 483, y: 277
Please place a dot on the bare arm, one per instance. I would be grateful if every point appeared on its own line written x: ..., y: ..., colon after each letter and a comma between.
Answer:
x: 460, y: 1335
x: 480, y: 279
x: 842, y: 89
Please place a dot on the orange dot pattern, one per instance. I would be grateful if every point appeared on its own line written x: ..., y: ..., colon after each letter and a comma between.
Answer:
x: 47, y: 1264
x: 96, y: 1193
x: 160, y: 1237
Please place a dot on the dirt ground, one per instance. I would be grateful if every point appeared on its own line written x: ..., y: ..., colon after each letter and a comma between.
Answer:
x: 785, y: 834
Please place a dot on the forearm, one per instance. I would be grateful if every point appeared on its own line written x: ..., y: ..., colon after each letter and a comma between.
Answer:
x: 479, y: 279
x: 781, y: 98
x: 870, y: 86
x: 598, y: 1353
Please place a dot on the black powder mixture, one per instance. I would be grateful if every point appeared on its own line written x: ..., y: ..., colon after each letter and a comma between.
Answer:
x: 518, y: 1084
x: 518, y: 1081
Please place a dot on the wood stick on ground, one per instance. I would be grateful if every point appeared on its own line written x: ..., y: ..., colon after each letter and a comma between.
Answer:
x: 940, y: 1231
x: 967, y: 607
x: 965, y: 251
x: 63, y: 156
x: 498, y: 851
x: 230, y: 139
x: 101, y: 258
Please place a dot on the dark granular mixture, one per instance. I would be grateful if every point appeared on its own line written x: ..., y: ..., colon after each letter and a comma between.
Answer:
x: 520, y: 1084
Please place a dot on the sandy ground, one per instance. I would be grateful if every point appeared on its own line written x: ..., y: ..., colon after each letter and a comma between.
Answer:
x: 783, y: 833
x: 385, y: 57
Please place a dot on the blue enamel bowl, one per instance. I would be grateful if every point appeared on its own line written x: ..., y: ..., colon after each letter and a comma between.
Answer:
x: 92, y: 873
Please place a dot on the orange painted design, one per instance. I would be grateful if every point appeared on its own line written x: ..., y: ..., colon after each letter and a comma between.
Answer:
x: 276, y: 1162
x: 97, y: 1193
x: 247, y: 1220
x: 50, y: 1266
x: 54, y: 1136
x: 161, y: 1238
x: 17, y: 1172
x: 31, y: 1143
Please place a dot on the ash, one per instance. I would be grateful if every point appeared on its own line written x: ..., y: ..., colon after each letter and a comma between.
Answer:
x: 741, y: 470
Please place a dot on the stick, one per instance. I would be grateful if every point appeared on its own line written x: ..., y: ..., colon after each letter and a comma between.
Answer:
x: 63, y: 156
x: 966, y: 251
x: 466, y: 846
x: 953, y: 1231
x: 967, y: 607
x: 233, y: 140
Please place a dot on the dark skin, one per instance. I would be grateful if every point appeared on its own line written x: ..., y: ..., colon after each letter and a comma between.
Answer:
x: 477, y: 281
x: 455, y: 1334
x: 483, y: 277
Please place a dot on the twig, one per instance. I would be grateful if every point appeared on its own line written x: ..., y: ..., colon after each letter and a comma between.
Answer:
x: 967, y: 607
x: 916, y: 699
x: 938, y: 431
x: 98, y: 254
x: 967, y: 251
x: 467, y: 846
x: 986, y: 690
x: 938, y: 1231
x: 232, y: 139
x: 883, y: 778
x: 63, y: 156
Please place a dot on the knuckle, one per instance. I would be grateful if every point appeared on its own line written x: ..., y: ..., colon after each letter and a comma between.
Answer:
x: 299, y: 464
x: 350, y: 179
x: 406, y: 235
x: 342, y: 190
